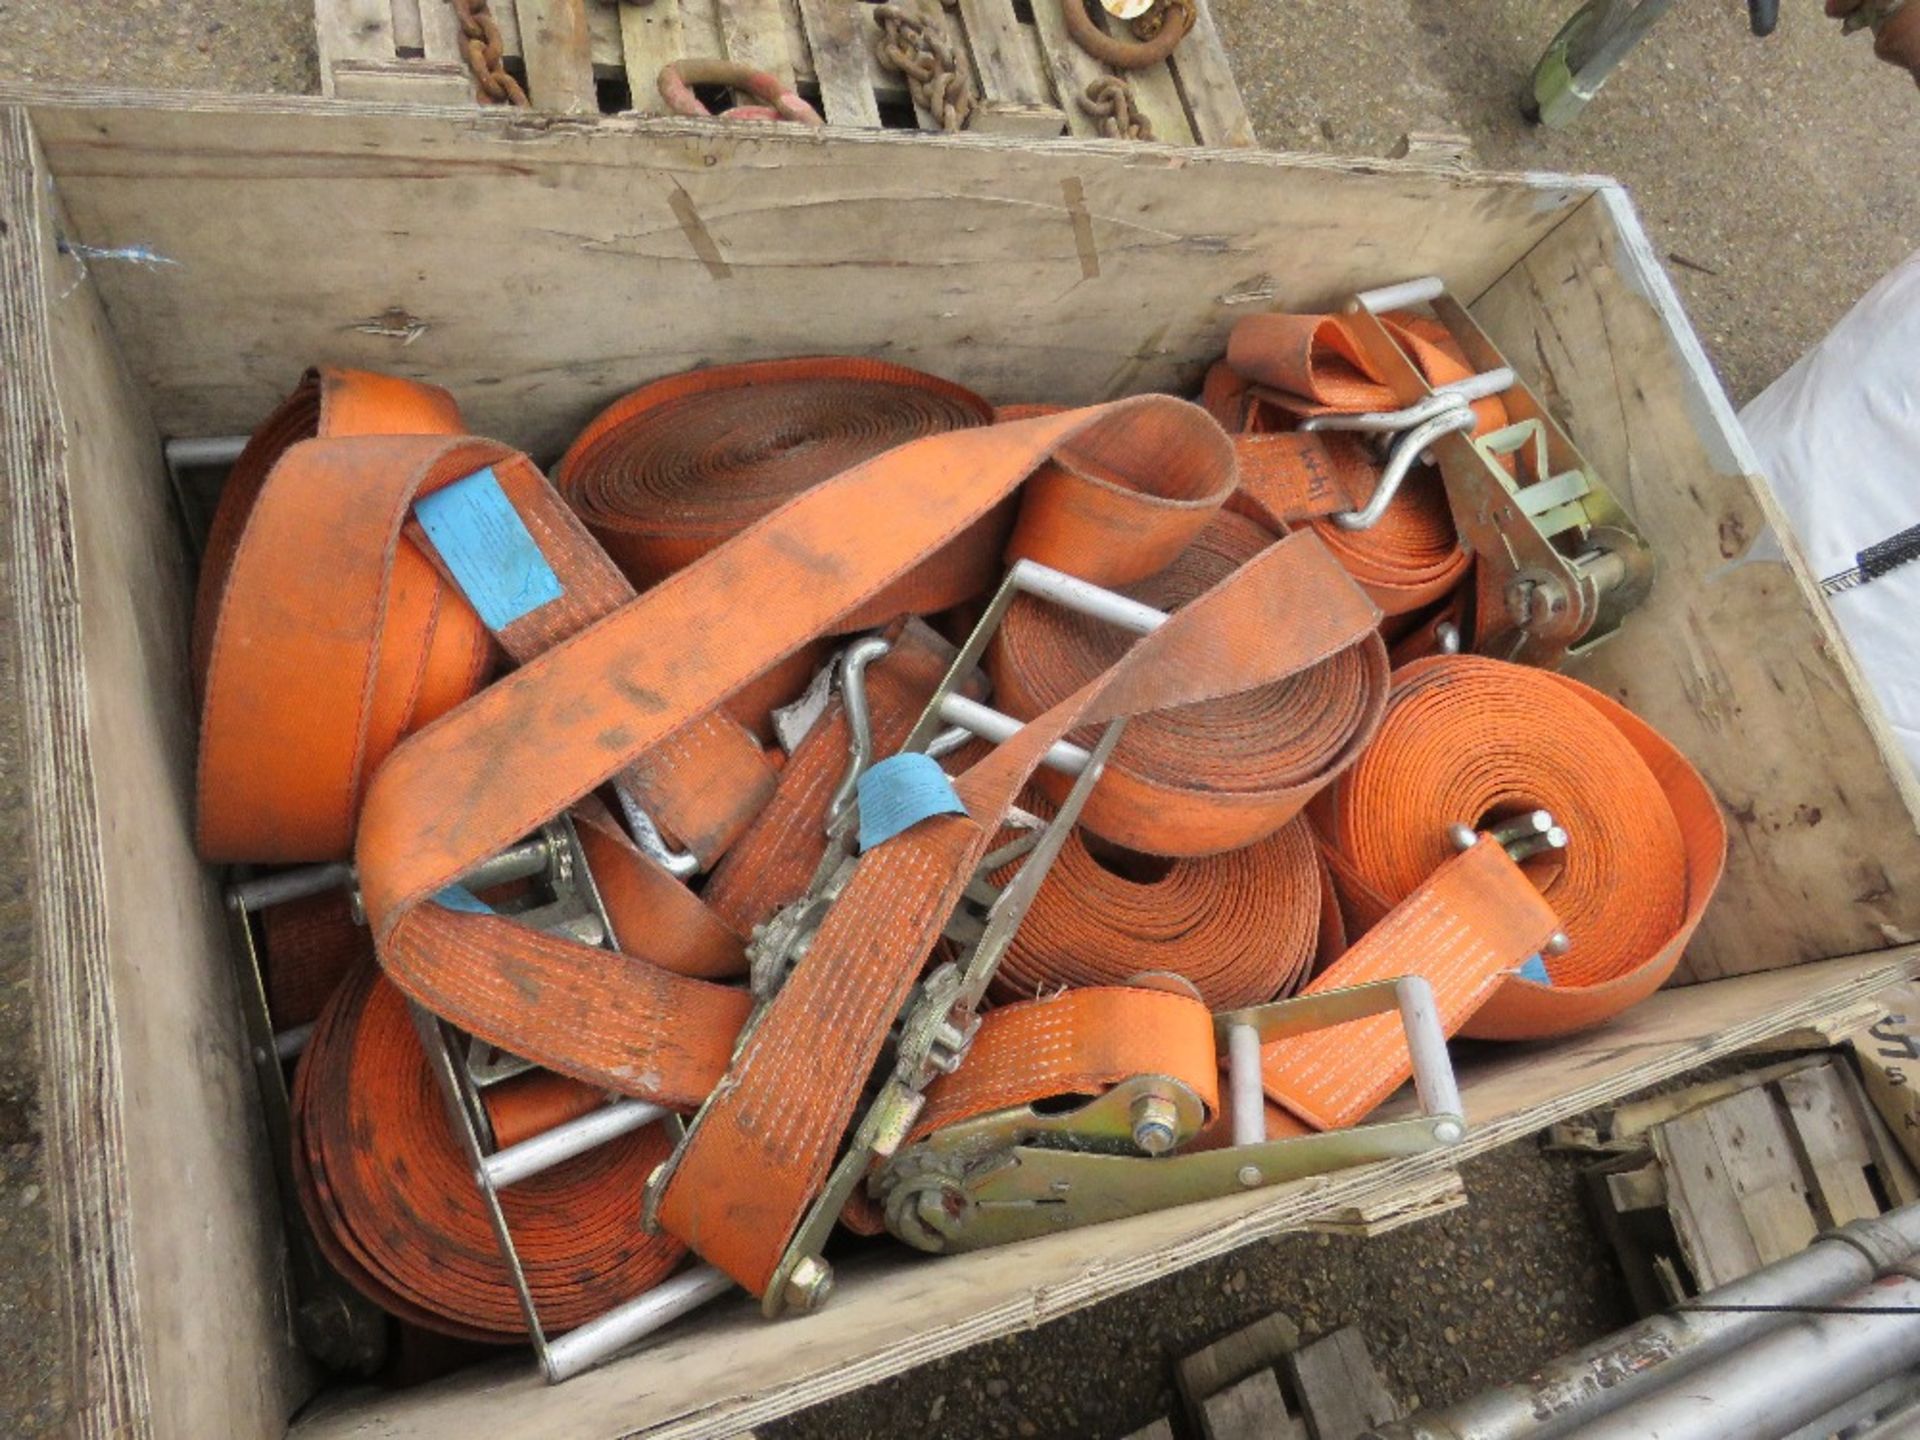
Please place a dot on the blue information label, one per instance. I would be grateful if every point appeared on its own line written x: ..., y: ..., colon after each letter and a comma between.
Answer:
x: 487, y: 548
x: 900, y: 792
x: 1535, y: 969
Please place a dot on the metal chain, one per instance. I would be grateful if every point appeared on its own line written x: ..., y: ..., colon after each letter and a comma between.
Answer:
x: 1111, y: 101
x: 1150, y: 23
x: 480, y: 37
x: 915, y: 46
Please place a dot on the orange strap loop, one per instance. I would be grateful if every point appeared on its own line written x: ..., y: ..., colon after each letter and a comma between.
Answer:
x: 1242, y: 927
x: 761, y: 1149
x: 679, y: 467
x: 1281, y: 369
x: 429, y: 654
x: 1205, y: 779
x: 1473, y: 740
x: 390, y: 1196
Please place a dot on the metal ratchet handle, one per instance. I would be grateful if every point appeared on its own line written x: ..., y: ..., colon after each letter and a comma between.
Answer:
x: 1434, y: 1084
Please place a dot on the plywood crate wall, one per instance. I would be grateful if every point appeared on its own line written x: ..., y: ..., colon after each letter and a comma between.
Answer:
x: 172, y: 263
x: 1024, y: 70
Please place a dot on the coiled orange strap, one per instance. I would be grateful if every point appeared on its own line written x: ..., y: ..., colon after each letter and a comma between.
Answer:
x: 1473, y: 740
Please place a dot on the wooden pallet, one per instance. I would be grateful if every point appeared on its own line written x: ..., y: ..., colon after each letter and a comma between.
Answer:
x: 593, y: 56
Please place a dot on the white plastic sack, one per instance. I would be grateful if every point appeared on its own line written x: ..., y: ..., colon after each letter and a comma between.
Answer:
x: 1839, y: 438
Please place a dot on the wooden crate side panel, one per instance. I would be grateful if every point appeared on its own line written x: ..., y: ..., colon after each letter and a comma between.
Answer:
x: 890, y: 1315
x: 156, y: 1152
x: 1735, y: 657
x: 540, y: 267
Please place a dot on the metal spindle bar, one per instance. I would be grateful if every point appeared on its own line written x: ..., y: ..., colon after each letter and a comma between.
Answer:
x: 1401, y: 296
x: 549, y: 1148
x: 1000, y: 727
x: 1248, y: 1096
x: 948, y: 741
x: 267, y: 890
x: 587, y: 1345
x: 1406, y: 450
x: 1032, y: 578
x: 853, y: 699
x: 1433, y: 1080
x: 288, y: 1043
x: 193, y: 451
x: 1447, y: 399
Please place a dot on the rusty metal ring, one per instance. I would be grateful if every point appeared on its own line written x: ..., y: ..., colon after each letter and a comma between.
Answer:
x: 1125, y: 54
x: 678, y: 77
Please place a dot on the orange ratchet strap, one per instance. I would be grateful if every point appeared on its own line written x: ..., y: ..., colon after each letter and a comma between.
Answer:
x: 391, y: 1199
x: 1205, y: 779
x: 1477, y: 741
x: 1242, y: 928
x: 281, y: 779
x: 1282, y: 369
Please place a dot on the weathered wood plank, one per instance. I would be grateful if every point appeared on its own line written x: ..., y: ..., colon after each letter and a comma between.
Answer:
x: 604, y: 45
x: 1832, y: 1145
x: 1632, y: 1120
x: 1338, y: 1390
x: 1254, y: 1349
x: 1206, y: 85
x: 1766, y: 1178
x: 413, y: 82
x: 841, y: 67
x: 1642, y: 1189
x: 406, y: 26
x: 1250, y: 1409
x: 1707, y: 1217
x: 651, y: 37
x: 1015, y: 98
x: 755, y: 33
x: 351, y: 30
x: 558, y: 55
x: 1069, y: 68
x: 440, y: 31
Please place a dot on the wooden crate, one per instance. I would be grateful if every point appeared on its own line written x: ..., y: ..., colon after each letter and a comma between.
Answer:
x: 590, y: 56
x: 171, y: 263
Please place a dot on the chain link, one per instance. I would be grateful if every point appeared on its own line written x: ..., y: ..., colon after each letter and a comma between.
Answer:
x: 480, y: 39
x: 1111, y: 101
x: 915, y: 46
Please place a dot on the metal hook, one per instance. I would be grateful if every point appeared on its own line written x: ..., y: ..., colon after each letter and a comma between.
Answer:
x: 1456, y: 419
x: 853, y: 695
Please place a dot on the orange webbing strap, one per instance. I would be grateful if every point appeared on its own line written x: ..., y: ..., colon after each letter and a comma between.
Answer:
x: 1074, y: 1045
x: 1474, y: 740
x: 327, y: 401
x: 1284, y: 368
x: 677, y: 468
x: 1243, y: 927
x: 1207, y: 779
x: 792, y: 1089
x: 774, y: 861
x: 390, y: 1197
x: 281, y: 775
x: 1475, y: 919
x: 536, y: 740
x: 432, y: 653
x: 1077, y: 1043
x: 307, y: 947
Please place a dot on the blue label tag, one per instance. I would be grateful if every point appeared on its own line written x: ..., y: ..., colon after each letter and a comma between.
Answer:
x: 487, y: 548
x: 458, y: 897
x: 1535, y: 969
x: 901, y: 791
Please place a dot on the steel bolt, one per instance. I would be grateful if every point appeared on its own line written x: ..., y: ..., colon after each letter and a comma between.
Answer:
x: 1464, y: 837
x: 809, y: 1285
x: 1554, y: 839
x: 1250, y: 1176
x: 1156, y: 1124
x: 1446, y: 637
x: 1521, y: 827
x: 930, y: 1208
x: 1448, y: 1132
x: 1558, y: 943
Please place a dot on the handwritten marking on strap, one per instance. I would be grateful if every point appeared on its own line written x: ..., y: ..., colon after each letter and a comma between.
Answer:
x: 1076, y: 197
x: 698, y: 235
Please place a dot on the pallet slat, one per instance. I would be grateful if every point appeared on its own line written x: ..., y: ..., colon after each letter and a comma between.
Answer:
x: 558, y: 55
x: 840, y: 64
x: 1207, y: 87
x: 351, y: 30
x: 650, y: 37
x: 1015, y: 98
x: 755, y: 33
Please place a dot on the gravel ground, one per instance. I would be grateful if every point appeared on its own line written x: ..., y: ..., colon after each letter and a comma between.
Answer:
x: 1777, y: 178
